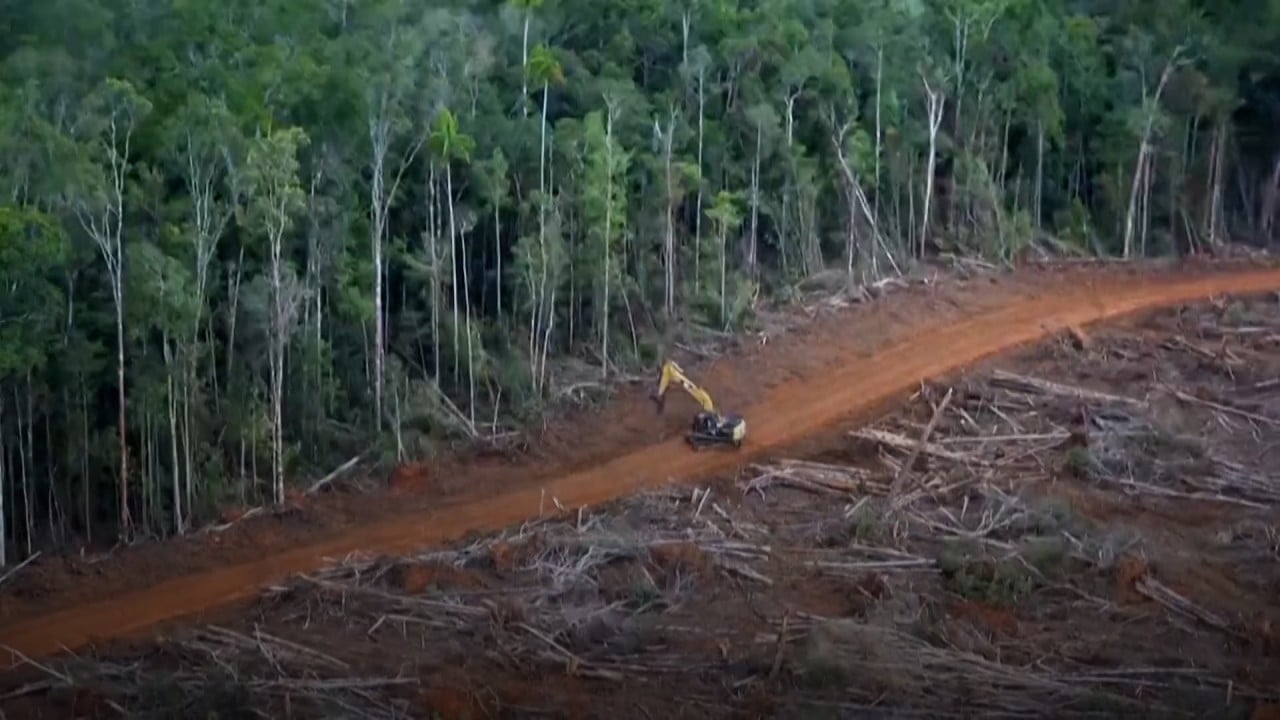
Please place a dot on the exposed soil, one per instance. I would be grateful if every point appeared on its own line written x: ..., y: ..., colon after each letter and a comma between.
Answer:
x: 841, y: 366
x: 1088, y: 530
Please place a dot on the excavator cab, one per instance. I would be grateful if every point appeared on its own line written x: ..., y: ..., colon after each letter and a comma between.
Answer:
x: 709, y: 428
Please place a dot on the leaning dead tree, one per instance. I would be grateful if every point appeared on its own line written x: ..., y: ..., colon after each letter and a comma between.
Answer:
x: 1140, y: 187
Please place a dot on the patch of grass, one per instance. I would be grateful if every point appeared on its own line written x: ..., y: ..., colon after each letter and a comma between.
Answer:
x: 222, y: 698
x: 1051, y: 516
x: 1236, y: 313
x: 866, y: 525
x: 971, y: 574
x: 1081, y: 463
x: 1047, y: 554
x: 644, y: 594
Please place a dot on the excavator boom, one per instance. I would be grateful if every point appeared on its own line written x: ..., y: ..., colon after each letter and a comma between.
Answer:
x: 671, y: 372
x: 709, y: 426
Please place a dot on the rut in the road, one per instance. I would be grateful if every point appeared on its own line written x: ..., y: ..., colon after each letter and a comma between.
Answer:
x: 786, y: 414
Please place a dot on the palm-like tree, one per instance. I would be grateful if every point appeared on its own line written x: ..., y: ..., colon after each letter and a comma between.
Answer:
x: 544, y: 68
x: 450, y: 144
x: 527, y: 7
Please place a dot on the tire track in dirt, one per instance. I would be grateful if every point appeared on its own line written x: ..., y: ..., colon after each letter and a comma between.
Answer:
x: 787, y: 414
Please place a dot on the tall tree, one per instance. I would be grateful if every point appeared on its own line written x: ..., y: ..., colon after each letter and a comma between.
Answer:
x: 451, y: 145
x: 392, y: 48
x: 106, y: 126
x: 275, y: 197
x: 546, y: 70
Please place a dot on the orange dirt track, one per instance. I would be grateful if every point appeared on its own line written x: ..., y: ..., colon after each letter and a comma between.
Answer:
x: 786, y: 414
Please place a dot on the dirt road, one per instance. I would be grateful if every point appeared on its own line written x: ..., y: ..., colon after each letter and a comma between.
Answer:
x: 786, y: 414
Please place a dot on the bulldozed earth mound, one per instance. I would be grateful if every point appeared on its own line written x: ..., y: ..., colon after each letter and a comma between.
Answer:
x: 1088, y: 528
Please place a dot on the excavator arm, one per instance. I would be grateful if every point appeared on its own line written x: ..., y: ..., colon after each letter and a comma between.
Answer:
x: 671, y: 372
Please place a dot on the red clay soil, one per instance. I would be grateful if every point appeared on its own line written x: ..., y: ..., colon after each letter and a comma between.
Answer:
x: 842, y: 368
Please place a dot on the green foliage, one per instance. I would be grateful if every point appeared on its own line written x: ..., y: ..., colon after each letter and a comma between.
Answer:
x: 32, y: 248
x: 448, y: 141
x: 972, y: 574
x: 544, y: 67
x: 178, y: 152
x: 271, y: 180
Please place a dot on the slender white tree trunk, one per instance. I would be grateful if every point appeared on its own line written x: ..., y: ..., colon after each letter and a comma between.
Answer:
x: 377, y: 193
x: 453, y: 256
x: 669, y: 239
x: 608, y: 228
x: 936, y: 102
x: 697, y: 219
x: 524, y: 67
x: 540, y: 304
x: 1131, y: 220
x: 1270, y: 199
x: 754, y: 243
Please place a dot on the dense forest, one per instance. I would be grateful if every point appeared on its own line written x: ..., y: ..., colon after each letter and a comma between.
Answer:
x: 241, y: 242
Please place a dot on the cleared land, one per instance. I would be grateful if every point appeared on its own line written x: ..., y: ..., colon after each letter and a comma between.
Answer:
x: 1090, y: 525
x: 799, y: 389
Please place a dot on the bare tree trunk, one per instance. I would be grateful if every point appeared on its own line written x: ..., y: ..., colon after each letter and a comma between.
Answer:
x: 524, y: 66
x: 22, y: 472
x: 209, y: 223
x: 106, y: 230
x: 1134, y: 198
x: 454, y: 242
x: 685, y: 27
x: 84, y: 471
x: 546, y: 340
x: 856, y: 201
x: 377, y: 193
x: 1270, y: 193
x: 175, y: 479
x: 936, y: 103
x: 962, y: 27
x: 753, y: 244
x: 380, y: 196
x: 126, y: 521
x: 1148, y: 183
x: 277, y: 368
x: 724, y: 272
x: 608, y: 228
x: 697, y: 218
x: 497, y: 252
x: 30, y: 468
x: 1144, y: 152
x: 911, y: 203
x: 1214, y: 201
x: 542, y: 247
x: 433, y: 256
x: 453, y: 258
x: 790, y: 191
x: 875, y: 200
x: 669, y: 239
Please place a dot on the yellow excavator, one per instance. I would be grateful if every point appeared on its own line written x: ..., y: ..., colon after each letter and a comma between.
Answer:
x: 710, y: 428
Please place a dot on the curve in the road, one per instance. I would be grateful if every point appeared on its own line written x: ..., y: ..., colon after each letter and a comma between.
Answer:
x: 787, y: 414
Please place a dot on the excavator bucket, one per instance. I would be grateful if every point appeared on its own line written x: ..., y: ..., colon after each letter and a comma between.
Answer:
x: 659, y: 396
x: 659, y: 402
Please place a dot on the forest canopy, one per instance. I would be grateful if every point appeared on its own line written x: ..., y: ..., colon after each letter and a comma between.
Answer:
x: 241, y: 241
